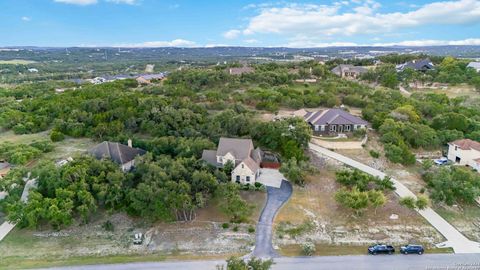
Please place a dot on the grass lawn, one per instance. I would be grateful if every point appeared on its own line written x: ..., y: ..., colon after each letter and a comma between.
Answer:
x: 337, y: 250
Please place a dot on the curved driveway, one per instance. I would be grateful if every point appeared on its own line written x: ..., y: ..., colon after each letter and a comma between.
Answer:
x: 276, y: 197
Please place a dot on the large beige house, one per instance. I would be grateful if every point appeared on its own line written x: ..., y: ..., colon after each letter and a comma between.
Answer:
x: 244, y: 157
x: 465, y: 152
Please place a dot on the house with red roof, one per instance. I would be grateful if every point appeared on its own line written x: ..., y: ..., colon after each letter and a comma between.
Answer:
x: 465, y: 152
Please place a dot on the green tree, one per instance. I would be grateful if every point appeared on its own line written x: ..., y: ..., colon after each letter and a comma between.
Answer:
x: 377, y: 199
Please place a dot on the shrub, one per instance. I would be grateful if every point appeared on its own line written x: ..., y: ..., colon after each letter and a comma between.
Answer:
x: 108, y: 226
x: 251, y: 229
x: 235, y: 229
x: 56, y: 136
x: 308, y: 249
x: 374, y: 154
x: 225, y: 225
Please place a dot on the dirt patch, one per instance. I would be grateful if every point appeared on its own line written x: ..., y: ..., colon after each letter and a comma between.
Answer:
x: 336, y: 226
x: 204, y: 236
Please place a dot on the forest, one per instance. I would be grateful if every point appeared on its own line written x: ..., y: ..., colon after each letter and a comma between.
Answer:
x: 174, y: 121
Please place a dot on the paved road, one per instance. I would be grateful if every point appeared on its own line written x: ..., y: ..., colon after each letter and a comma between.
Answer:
x: 276, y: 198
x: 455, y: 239
x: 7, y: 227
x: 404, y: 91
x: 362, y: 262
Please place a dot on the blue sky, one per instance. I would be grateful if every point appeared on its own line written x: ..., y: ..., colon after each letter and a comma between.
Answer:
x: 192, y: 23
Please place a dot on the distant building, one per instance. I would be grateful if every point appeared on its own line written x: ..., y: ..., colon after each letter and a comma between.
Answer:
x: 465, y: 152
x: 246, y: 160
x: 417, y: 64
x: 149, y: 68
x: 123, y: 155
x: 240, y: 70
x: 474, y: 65
x: 33, y: 70
x: 333, y: 122
x: 349, y: 71
x: 148, y: 78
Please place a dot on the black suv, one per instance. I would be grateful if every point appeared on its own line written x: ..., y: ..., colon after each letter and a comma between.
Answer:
x: 381, y: 249
x: 412, y: 249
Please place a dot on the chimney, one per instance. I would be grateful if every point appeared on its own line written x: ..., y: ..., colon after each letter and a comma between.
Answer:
x: 129, y: 142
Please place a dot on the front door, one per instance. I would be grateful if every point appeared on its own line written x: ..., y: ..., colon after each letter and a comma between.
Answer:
x: 340, y: 128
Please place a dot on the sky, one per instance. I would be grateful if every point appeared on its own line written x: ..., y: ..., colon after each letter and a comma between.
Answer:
x: 258, y: 23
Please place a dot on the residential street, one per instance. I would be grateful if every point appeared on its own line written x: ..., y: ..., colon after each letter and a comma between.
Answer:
x: 455, y: 239
x: 361, y: 262
x: 276, y: 198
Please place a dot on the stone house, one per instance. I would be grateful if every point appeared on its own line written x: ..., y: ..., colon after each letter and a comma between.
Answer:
x: 123, y: 155
x: 349, y: 71
x: 465, y: 152
x: 241, y: 153
x: 335, y: 121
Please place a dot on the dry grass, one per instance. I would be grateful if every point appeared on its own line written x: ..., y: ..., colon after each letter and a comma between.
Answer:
x: 452, y: 91
x: 337, y: 250
x: 16, y: 62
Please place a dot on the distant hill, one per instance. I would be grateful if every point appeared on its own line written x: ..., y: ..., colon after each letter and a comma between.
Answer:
x: 108, y: 54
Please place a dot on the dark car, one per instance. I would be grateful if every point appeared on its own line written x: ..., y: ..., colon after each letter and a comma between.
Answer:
x: 381, y: 249
x: 412, y: 249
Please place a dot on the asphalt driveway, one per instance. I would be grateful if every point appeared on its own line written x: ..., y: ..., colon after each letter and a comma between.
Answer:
x: 276, y: 197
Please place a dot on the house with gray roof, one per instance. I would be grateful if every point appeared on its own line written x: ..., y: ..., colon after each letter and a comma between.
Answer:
x: 241, y: 153
x: 349, y: 71
x: 123, y: 155
x: 332, y: 122
x: 422, y: 65
x: 474, y: 65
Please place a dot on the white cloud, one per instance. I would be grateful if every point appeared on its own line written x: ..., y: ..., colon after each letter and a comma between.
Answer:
x: 77, y: 2
x: 153, y: 44
x: 231, y: 34
x: 361, y: 18
x: 26, y: 19
x: 250, y: 41
x: 92, y: 2
x: 128, y: 2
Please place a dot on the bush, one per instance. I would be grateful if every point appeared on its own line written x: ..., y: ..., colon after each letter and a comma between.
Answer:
x: 251, y: 229
x: 308, y: 249
x: 108, y: 226
x: 235, y: 229
x: 225, y: 225
x: 374, y: 154
x: 56, y: 136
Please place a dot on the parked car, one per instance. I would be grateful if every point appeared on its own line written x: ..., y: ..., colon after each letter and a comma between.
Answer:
x: 441, y: 161
x: 381, y: 249
x: 138, y: 238
x: 412, y: 249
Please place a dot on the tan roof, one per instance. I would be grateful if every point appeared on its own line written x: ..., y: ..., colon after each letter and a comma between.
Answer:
x: 239, y: 148
x: 466, y: 144
x: 251, y: 164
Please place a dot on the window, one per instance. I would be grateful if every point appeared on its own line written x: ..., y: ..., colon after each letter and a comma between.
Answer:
x: 456, y: 148
x: 248, y: 178
x: 347, y: 128
x: 333, y: 128
x: 316, y: 128
x: 242, y: 166
x: 238, y: 178
x: 322, y: 128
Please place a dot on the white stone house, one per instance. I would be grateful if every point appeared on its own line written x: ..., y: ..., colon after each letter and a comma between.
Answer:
x: 244, y: 157
x: 465, y: 152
